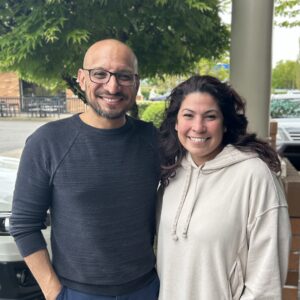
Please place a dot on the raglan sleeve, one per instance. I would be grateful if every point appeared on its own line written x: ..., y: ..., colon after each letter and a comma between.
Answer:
x: 31, y: 198
x: 269, y: 237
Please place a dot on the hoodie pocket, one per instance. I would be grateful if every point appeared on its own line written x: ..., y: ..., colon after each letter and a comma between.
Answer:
x: 236, y: 280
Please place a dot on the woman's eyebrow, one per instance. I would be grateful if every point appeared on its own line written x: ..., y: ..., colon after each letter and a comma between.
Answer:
x: 211, y: 110
x: 187, y: 109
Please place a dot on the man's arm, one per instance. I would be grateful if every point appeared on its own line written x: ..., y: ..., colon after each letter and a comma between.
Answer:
x: 40, y: 266
x: 32, y: 198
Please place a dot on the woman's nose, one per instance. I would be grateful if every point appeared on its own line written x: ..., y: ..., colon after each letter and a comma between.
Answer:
x: 199, y: 126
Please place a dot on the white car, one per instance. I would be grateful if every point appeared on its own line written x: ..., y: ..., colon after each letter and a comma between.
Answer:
x: 288, y: 139
x: 16, y: 281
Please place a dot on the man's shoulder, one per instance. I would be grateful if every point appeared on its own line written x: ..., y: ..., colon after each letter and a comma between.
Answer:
x: 60, y: 132
x: 146, y: 132
x: 57, y: 128
x: 51, y: 140
x: 143, y: 125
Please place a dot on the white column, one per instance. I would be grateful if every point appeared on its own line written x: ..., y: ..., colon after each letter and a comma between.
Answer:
x: 251, y: 59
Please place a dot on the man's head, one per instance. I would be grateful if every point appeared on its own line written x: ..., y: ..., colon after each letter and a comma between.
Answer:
x: 109, y: 78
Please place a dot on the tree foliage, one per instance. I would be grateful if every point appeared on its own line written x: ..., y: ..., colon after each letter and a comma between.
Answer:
x: 286, y: 75
x: 215, y: 67
x: 45, y: 40
x: 289, y: 12
x: 161, y: 84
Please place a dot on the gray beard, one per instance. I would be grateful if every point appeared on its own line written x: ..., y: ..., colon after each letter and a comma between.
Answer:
x: 109, y: 116
x: 106, y: 115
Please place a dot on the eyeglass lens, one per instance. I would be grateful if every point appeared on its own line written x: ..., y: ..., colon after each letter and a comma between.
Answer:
x: 103, y: 76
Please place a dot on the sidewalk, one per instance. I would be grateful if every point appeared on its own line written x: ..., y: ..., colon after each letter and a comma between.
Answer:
x: 13, y: 153
x: 28, y: 117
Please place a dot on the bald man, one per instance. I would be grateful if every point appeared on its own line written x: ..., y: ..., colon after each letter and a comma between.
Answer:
x: 97, y: 173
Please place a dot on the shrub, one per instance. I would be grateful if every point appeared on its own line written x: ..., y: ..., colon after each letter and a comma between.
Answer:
x: 154, y: 113
x: 284, y: 109
x: 142, y: 105
x: 145, y: 90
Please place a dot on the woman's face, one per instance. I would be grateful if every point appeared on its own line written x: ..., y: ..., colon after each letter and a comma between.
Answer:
x: 200, y: 126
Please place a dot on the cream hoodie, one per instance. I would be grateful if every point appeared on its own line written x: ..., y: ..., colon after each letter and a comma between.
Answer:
x: 224, y: 231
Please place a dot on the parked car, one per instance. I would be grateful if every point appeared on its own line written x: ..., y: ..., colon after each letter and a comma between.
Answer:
x: 155, y: 97
x: 16, y: 281
x: 288, y: 140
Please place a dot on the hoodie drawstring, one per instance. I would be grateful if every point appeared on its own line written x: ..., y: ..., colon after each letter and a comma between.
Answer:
x: 183, y: 197
x: 189, y: 216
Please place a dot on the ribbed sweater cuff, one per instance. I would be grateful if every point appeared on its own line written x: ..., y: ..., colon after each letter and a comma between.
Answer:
x: 31, y: 243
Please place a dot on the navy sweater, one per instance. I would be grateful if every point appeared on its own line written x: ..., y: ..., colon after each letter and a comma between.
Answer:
x: 100, y: 186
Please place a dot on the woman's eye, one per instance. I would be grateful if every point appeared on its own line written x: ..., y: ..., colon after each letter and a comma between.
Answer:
x: 188, y: 115
x: 211, y: 117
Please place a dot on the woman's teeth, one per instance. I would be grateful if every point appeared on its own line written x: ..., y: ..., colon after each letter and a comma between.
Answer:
x: 199, y: 140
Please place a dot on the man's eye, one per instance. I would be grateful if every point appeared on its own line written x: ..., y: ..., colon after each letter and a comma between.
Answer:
x: 99, y: 74
x: 125, y: 77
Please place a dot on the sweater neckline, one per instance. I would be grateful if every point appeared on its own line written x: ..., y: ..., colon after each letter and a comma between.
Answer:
x: 113, y: 131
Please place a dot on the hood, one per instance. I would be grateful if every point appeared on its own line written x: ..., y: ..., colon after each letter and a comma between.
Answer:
x: 227, y: 157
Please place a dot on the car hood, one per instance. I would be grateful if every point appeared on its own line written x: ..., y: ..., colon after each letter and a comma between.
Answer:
x: 8, y: 174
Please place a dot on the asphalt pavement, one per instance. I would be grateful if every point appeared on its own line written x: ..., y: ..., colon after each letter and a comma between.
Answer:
x: 13, y: 134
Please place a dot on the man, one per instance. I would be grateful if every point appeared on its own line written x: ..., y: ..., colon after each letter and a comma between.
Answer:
x: 97, y: 172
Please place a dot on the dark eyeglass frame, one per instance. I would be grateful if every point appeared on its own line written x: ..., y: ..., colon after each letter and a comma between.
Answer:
x: 116, y: 74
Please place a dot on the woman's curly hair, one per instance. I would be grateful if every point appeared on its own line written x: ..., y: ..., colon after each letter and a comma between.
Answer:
x: 232, y: 107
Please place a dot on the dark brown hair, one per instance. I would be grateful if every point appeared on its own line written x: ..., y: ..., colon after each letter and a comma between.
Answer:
x: 232, y: 107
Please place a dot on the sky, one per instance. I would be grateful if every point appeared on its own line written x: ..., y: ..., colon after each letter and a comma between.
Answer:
x: 285, y: 44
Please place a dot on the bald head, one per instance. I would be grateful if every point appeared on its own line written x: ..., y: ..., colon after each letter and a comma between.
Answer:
x: 110, y: 97
x: 110, y: 50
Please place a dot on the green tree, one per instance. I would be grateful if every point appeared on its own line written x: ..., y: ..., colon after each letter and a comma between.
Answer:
x: 286, y: 75
x: 45, y: 40
x: 288, y: 11
x: 214, y: 67
x: 161, y: 84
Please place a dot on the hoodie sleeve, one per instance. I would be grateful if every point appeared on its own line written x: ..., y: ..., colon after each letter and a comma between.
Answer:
x: 269, y: 237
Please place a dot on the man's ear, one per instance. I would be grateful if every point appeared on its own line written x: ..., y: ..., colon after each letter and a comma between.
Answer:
x: 81, y: 79
x: 137, y: 84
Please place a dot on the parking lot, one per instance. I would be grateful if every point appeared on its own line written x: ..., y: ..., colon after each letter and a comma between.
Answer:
x: 15, y: 278
x: 13, y: 136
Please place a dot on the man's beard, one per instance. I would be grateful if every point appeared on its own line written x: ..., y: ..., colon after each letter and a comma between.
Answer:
x: 110, y: 115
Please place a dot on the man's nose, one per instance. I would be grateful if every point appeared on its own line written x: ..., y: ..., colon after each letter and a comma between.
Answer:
x: 112, y: 85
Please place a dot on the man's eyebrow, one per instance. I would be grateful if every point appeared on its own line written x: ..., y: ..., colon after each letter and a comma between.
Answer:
x: 118, y: 71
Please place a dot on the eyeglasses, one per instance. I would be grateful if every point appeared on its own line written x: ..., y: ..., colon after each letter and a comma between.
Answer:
x: 103, y: 76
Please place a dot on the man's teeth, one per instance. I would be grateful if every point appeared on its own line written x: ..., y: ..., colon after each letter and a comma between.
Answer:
x: 199, y: 140
x: 110, y: 100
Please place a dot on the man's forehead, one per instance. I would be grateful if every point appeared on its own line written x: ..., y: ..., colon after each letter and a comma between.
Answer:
x: 110, y: 54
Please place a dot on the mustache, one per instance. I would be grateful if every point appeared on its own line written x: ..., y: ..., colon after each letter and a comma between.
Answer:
x: 118, y: 94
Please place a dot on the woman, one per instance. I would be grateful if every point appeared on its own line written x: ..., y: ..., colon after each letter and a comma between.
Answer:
x: 224, y: 228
